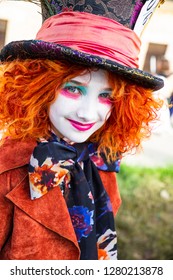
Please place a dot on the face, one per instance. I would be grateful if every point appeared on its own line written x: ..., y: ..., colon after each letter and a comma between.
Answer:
x: 82, y: 106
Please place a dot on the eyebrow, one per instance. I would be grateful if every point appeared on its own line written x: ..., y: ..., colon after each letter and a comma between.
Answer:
x: 78, y: 83
x: 85, y: 84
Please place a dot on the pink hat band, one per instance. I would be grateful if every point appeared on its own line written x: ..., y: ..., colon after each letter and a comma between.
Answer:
x: 94, y: 35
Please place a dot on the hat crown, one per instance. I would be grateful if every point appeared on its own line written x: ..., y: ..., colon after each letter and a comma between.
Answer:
x: 130, y: 13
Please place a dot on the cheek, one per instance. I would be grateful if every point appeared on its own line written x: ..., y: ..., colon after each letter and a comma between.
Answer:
x: 105, y: 101
x: 57, y: 109
x: 52, y: 112
x: 105, y: 112
x: 62, y: 106
x: 108, y: 115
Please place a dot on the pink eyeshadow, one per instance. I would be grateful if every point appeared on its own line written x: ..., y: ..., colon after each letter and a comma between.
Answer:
x: 68, y: 94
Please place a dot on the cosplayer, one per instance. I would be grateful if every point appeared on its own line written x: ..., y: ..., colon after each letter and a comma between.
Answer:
x: 72, y: 102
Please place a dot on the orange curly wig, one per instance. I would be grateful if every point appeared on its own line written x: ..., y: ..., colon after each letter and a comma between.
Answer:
x: 27, y: 89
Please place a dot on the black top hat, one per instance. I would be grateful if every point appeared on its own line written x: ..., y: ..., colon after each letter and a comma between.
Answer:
x: 97, y: 33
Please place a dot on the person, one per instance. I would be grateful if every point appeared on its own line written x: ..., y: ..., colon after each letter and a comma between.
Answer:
x: 163, y: 125
x: 72, y: 102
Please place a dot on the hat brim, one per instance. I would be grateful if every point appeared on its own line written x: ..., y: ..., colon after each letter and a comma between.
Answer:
x: 41, y: 49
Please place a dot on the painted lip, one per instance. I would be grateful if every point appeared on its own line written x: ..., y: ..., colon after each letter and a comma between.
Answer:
x: 81, y: 126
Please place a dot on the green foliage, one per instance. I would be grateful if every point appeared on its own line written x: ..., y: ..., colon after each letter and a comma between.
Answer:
x: 145, y: 219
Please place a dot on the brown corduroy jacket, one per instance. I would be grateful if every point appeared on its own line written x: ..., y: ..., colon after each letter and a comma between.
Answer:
x: 38, y: 229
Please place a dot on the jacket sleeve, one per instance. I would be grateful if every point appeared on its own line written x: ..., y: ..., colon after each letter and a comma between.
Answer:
x: 109, y: 181
x: 6, y: 208
x: 8, y: 180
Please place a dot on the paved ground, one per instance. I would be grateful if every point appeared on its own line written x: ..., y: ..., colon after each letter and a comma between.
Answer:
x: 158, y: 151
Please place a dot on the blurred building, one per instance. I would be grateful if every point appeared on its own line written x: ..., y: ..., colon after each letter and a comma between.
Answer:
x: 18, y: 20
x: 157, y: 39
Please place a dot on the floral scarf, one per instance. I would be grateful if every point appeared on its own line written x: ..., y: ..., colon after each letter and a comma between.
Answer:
x: 74, y: 169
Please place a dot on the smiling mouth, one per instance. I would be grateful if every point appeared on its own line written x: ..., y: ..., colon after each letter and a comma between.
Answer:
x: 81, y: 126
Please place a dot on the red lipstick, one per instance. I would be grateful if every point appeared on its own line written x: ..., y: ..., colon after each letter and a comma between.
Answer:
x: 81, y: 126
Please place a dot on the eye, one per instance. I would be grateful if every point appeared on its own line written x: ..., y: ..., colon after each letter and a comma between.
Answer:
x: 105, y: 95
x: 105, y: 98
x: 73, y: 89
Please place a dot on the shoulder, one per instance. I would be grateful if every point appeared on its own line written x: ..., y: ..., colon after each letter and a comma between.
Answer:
x: 110, y: 183
x: 14, y: 154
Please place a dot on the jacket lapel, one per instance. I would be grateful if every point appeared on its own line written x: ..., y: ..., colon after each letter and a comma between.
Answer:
x: 50, y: 210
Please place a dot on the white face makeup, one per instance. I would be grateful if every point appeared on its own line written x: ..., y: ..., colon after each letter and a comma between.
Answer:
x: 81, y: 107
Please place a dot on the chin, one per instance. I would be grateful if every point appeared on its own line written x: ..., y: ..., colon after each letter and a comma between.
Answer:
x: 79, y: 138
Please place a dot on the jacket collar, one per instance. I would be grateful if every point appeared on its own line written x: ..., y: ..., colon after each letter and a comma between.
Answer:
x: 50, y: 210
x: 15, y: 154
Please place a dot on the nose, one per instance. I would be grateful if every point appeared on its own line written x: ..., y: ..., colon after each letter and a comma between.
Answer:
x: 87, y: 110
